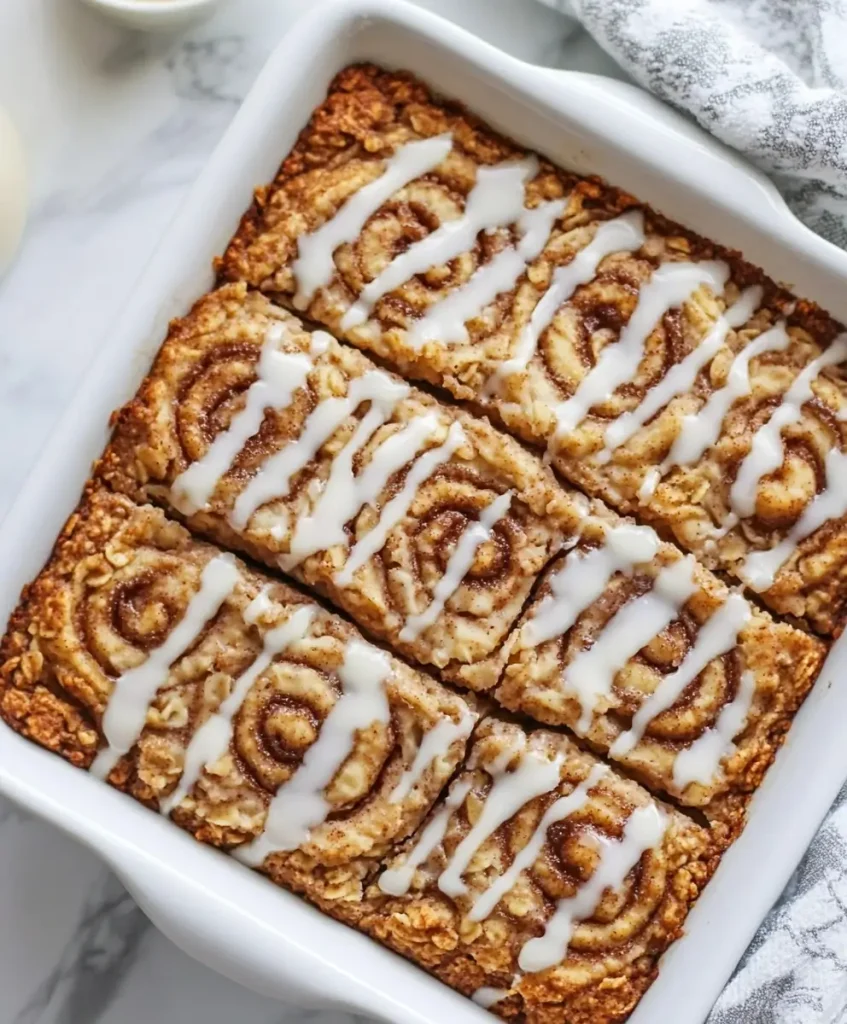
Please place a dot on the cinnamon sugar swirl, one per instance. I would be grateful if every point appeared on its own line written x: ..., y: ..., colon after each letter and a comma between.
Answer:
x: 660, y: 666
x: 423, y: 523
x: 230, y: 702
x: 545, y: 885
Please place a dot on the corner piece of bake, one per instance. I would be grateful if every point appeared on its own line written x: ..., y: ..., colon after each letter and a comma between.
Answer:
x: 257, y: 720
x: 663, y: 373
x: 545, y: 885
x: 661, y: 667
x: 422, y: 522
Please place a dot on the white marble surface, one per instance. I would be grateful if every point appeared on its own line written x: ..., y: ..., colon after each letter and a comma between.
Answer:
x: 116, y: 126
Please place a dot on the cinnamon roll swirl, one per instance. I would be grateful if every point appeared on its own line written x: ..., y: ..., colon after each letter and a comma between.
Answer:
x: 659, y: 666
x: 544, y: 885
x: 422, y: 522
x: 736, y: 451
x: 257, y: 720
x: 661, y: 372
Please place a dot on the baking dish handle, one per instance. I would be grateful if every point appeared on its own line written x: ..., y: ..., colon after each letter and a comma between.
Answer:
x: 218, y: 911
x: 717, y: 168
x: 219, y: 933
x: 250, y: 941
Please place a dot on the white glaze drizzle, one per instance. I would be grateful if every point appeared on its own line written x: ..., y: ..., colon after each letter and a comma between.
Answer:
x: 314, y: 266
x: 533, y: 776
x: 126, y: 711
x: 260, y: 606
x: 700, y: 762
x: 681, y: 376
x: 623, y: 234
x: 486, y: 996
x: 700, y: 430
x: 397, y: 881
x: 767, y: 449
x: 399, y: 504
x: 211, y: 740
x: 643, y: 831
x: 435, y: 744
x: 515, y: 748
x: 345, y: 493
x: 299, y: 804
x: 279, y: 375
x: 671, y: 285
x: 584, y: 577
x: 562, y: 808
x: 592, y: 672
x: 460, y: 561
x: 496, y: 200
x: 273, y: 480
x: 760, y: 567
x: 716, y: 636
x: 445, y: 321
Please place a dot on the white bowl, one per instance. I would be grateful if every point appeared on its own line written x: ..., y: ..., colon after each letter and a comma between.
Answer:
x: 155, y: 15
x: 13, y: 190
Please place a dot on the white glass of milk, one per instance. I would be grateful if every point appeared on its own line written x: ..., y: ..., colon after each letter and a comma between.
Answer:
x: 12, y: 190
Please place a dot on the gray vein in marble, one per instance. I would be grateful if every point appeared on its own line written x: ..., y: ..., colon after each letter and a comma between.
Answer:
x: 101, y: 949
x: 205, y: 70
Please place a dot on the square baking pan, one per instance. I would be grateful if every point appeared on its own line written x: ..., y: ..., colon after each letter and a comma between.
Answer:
x: 209, y: 904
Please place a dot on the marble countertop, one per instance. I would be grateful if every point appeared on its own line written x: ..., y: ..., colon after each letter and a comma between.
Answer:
x: 116, y: 126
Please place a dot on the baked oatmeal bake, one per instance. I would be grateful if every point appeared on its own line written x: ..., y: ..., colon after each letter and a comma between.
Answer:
x: 521, y: 765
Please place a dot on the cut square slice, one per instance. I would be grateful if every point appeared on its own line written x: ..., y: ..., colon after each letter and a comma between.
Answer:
x: 259, y: 721
x: 657, y: 664
x: 545, y: 885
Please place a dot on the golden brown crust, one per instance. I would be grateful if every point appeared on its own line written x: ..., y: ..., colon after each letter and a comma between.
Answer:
x: 366, y: 116
x: 614, y: 947
x: 367, y: 113
x: 197, y: 388
x: 122, y: 573
x: 30, y: 704
x: 47, y: 707
x: 120, y: 579
x: 782, y: 661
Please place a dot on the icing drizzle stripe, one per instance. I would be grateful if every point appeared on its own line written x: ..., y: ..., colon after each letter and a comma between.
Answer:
x: 134, y: 690
x: 460, y: 561
x: 299, y: 804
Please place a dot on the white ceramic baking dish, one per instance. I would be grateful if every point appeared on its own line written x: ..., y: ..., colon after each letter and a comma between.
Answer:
x: 210, y: 905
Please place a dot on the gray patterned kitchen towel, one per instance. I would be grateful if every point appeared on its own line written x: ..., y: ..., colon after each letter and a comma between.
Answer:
x: 768, y: 77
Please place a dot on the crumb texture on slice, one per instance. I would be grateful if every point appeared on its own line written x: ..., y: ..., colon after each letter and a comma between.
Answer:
x: 253, y: 717
x: 658, y: 665
x: 735, y: 448
x: 544, y: 884
x: 425, y: 524
x: 664, y: 374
